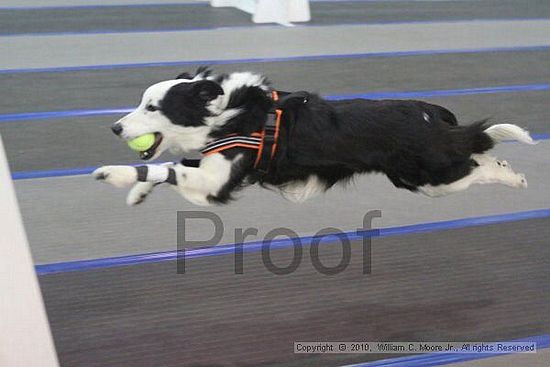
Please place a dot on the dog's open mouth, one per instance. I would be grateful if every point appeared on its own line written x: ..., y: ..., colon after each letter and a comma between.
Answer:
x: 150, y: 153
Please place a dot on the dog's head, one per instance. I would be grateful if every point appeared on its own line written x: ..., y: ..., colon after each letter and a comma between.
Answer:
x: 176, y: 111
x: 182, y: 112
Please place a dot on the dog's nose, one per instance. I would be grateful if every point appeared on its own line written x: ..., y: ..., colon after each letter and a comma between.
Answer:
x: 116, y: 128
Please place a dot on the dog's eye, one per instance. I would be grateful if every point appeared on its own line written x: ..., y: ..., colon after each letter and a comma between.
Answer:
x: 151, y: 108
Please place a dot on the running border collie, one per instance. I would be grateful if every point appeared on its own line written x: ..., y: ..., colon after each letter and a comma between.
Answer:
x: 419, y: 146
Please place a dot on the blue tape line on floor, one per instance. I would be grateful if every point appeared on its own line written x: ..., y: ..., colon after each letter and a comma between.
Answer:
x: 83, y: 265
x: 277, y: 59
x: 25, y: 175
x: 12, y: 117
x: 98, y: 6
x: 256, y: 26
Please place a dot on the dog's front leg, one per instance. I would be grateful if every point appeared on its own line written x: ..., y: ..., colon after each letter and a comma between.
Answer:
x: 144, y: 178
x: 123, y: 176
x: 209, y: 181
x: 119, y: 176
x: 148, y: 178
x: 139, y: 192
x: 196, y: 184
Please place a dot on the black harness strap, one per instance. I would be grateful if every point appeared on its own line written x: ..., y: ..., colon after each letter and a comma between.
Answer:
x: 233, y: 141
x: 270, y: 135
x: 265, y: 141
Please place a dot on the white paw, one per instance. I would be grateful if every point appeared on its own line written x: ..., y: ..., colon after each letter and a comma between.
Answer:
x: 119, y: 176
x: 516, y: 180
x: 139, y: 192
x: 503, y: 164
x: 521, y: 181
x: 511, y: 178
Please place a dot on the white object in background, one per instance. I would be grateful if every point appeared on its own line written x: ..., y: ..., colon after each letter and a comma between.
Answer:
x: 271, y: 11
x: 25, y: 337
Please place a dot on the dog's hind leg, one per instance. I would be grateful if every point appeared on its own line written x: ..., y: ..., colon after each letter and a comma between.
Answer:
x: 300, y: 191
x: 500, y: 172
x: 489, y: 171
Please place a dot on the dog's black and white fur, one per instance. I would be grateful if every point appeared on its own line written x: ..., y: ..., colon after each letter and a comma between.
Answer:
x: 419, y: 146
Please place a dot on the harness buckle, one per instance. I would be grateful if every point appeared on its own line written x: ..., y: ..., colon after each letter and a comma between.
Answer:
x: 265, y: 142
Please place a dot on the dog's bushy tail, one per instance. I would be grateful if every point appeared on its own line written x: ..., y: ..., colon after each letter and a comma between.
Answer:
x: 501, y: 132
x: 480, y: 137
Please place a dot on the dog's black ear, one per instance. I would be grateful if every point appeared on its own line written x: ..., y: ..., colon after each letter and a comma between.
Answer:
x: 207, y: 90
x: 184, y: 75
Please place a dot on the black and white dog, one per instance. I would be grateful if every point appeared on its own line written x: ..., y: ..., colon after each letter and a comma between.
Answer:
x: 417, y: 145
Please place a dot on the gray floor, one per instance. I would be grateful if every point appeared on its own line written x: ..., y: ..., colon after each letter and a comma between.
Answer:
x: 88, y: 141
x: 533, y: 360
x: 72, y: 218
x: 48, y: 4
x: 195, y: 16
x: 468, y: 284
x: 96, y: 315
x: 79, y: 89
x: 266, y: 42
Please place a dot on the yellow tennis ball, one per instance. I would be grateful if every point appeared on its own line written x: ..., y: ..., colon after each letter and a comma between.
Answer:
x: 142, y: 143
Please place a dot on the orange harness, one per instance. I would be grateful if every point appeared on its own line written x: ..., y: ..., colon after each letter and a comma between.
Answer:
x: 265, y: 141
